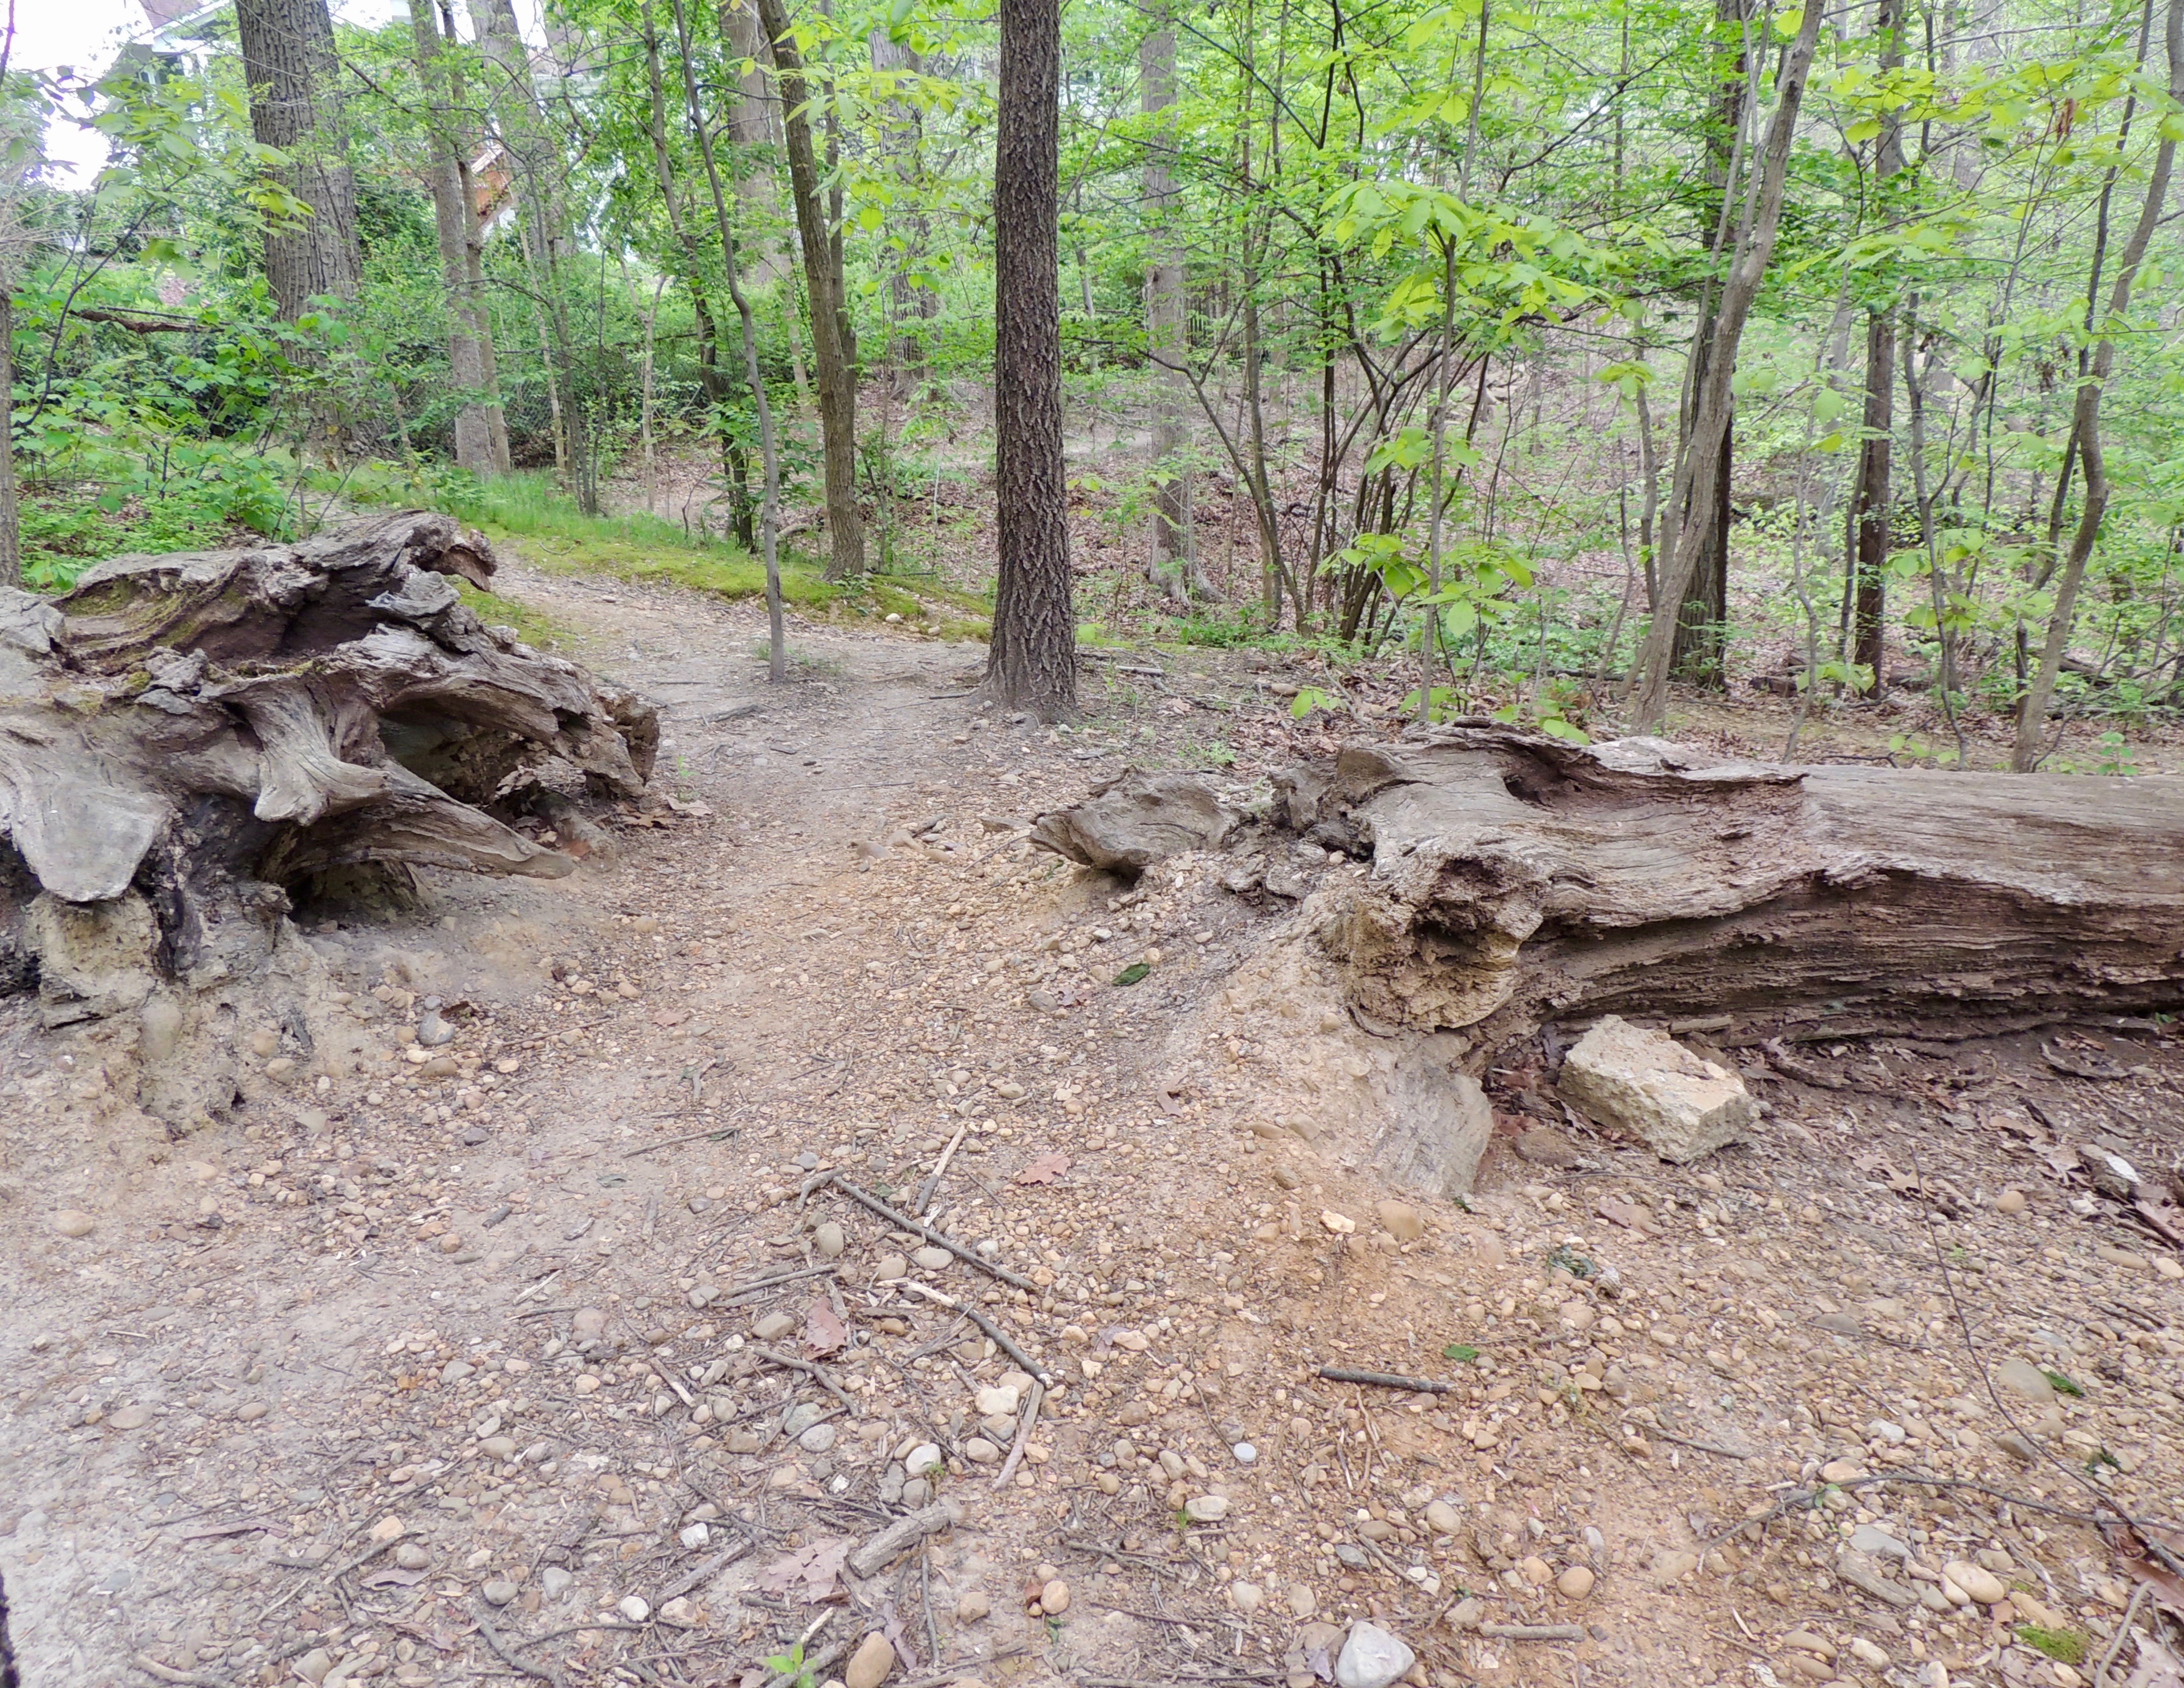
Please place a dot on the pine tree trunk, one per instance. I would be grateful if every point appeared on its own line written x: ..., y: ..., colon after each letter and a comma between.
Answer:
x: 838, y: 393
x: 295, y: 104
x: 1032, y: 662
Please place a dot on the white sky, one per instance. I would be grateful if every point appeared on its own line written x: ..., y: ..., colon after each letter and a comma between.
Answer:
x: 87, y: 34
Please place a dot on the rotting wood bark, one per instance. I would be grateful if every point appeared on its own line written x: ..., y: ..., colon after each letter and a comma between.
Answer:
x: 1519, y: 881
x: 187, y: 741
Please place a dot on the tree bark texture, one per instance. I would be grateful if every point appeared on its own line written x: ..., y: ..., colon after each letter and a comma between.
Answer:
x: 469, y: 329
x: 190, y: 739
x: 1518, y: 881
x: 295, y: 104
x: 1032, y: 659
x: 822, y: 281
x: 752, y: 130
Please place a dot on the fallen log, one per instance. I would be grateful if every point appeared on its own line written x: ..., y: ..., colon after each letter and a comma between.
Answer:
x: 1519, y: 881
x: 190, y: 744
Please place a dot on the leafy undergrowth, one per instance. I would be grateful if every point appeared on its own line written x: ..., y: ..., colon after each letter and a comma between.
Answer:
x: 535, y: 628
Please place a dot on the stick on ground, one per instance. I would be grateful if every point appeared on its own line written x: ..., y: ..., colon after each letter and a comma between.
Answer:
x: 1343, y: 1374
x: 903, y: 1222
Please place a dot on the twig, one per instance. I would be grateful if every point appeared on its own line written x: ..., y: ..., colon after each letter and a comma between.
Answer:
x: 544, y: 1673
x: 757, y: 1284
x: 1001, y: 1338
x: 1343, y: 1374
x: 809, y: 1370
x: 940, y: 1240
x: 876, y: 1555
x: 1024, y: 1435
x: 715, y: 1131
x: 1534, y: 1632
x: 939, y: 1171
x: 2122, y: 1634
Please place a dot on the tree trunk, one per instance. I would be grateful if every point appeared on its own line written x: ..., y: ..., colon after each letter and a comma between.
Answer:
x: 2086, y: 425
x: 769, y: 449
x: 1698, y: 476
x: 1174, y: 554
x: 751, y: 132
x: 543, y: 221
x: 295, y: 104
x: 1869, y: 503
x: 1698, y: 653
x: 465, y: 137
x: 470, y: 330
x: 823, y: 279
x: 1870, y: 508
x: 1033, y: 661
x: 1520, y: 881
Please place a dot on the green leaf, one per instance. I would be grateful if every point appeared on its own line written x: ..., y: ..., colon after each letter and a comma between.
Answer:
x: 1134, y: 972
x: 2062, y: 1382
x: 1555, y: 727
x: 1862, y: 131
x: 1462, y: 1352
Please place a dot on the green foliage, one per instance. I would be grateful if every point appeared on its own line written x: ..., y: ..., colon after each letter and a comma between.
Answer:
x: 2068, y: 1645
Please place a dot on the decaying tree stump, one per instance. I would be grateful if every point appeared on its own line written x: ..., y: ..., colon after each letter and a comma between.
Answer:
x: 1518, y: 881
x: 188, y: 741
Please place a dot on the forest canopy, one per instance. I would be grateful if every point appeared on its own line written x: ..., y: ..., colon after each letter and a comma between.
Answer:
x: 1546, y: 355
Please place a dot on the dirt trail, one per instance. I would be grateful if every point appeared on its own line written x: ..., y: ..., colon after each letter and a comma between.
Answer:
x: 501, y: 1295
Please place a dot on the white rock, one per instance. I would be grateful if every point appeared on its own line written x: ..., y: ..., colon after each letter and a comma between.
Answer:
x: 695, y: 1534
x: 1000, y: 1399
x: 1209, y: 1509
x: 1372, y: 1658
x: 553, y: 1582
x: 1646, y: 1084
x: 633, y: 1608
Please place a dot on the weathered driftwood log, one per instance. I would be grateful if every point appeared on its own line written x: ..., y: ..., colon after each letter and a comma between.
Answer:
x: 186, y: 741
x: 1518, y: 881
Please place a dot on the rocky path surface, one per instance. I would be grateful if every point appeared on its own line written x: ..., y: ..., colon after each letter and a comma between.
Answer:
x: 547, y: 1341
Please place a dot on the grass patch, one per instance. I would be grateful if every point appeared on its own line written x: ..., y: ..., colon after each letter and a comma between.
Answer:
x: 541, y: 631
x: 2066, y: 1645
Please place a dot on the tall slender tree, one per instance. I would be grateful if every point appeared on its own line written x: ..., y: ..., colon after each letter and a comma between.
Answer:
x: 834, y: 359
x: 1032, y: 662
x: 481, y: 424
x: 1872, y: 503
x: 295, y: 104
x: 1174, y: 551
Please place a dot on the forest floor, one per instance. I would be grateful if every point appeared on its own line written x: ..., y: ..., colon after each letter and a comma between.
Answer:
x: 443, y: 1372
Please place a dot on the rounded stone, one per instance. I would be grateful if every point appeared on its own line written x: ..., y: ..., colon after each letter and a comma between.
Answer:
x: 411, y: 1556
x: 931, y: 1259
x: 1372, y: 1658
x: 498, y: 1593
x: 974, y: 1605
x: 1205, y: 1508
x: 981, y: 1451
x: 2011, y: 1201
x: 133, y: 1416
x: 1975, y: 1580
x: 829, y: 1241
x: 1442, y: 1518
x: 1000, y: 1399
x: 1054, y: 1597
x: 72, y: 1222
x: 1246, y: 1596
x: 633, y: 1608
x: 869, y: 1664
x: 1575, y: 1583
x: 921, y: 1459
x: 818, y: 1438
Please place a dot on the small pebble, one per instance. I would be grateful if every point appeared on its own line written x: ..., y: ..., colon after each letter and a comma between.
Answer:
x: 931, y: 1259
x: 974, y: 1605
x: 1054, y: 1597
x: 869, y: 1664
x: 2010, y: 1200
x: 71, y: 1222
x: 633, y: 1608
x: 829, y: 1241
x: 1575, y: 1583
x: 498, y: 1593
